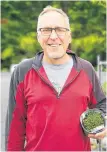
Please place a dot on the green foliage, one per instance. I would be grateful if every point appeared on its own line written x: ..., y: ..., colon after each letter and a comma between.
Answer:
x: 19, y: 21
x: 92, y: 120
x: 7, y: 53
x: 104, y: 86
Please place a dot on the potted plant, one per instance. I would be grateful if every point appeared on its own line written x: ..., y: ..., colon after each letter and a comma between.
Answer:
x: 92, y: 121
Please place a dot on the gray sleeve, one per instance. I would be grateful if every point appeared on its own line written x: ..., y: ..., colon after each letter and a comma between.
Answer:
x: 98, y: 92
x: 11, y: 104
x: 97, y: 95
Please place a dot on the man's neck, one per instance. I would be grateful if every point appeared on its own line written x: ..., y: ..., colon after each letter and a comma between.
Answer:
x: 61, y: 60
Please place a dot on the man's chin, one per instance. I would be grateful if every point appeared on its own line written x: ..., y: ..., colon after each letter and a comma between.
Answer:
x: 55, y: 56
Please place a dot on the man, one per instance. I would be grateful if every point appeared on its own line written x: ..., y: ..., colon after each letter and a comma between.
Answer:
x: 49, y: 92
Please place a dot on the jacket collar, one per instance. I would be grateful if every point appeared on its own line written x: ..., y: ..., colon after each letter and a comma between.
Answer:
x: 37, y: 62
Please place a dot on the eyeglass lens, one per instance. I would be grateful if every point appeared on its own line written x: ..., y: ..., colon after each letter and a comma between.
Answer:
x: 48, y: 31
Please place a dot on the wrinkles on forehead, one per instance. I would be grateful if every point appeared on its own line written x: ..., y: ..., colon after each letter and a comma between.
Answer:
x: 52, y: 19
x: 52, y: 11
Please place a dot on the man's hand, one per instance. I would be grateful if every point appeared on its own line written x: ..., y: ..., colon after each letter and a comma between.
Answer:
x: 99, y: 135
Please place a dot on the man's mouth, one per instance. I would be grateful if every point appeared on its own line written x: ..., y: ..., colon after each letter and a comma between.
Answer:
x: 54, y: 45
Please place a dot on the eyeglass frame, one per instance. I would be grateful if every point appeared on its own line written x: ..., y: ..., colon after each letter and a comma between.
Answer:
x: 52, y: 30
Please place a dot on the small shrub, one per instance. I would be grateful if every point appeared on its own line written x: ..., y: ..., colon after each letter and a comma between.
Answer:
x: 92, y: 120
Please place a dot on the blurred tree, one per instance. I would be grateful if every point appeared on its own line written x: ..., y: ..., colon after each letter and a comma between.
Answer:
x: 88, y: 24
x: 18, y: 28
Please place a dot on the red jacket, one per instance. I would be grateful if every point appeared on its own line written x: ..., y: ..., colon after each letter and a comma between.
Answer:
x: 48, y: 121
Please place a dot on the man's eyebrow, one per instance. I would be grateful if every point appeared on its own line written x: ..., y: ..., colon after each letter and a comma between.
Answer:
x: 53, y: 27
x: 46, y: 27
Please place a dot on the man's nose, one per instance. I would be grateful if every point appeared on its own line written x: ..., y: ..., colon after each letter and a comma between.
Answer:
x: 53, y: 35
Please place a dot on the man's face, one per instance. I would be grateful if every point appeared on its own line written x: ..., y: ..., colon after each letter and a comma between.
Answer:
x: 55, y: 44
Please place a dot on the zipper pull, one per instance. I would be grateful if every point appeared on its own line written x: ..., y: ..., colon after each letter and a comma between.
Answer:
x: 58, y: 90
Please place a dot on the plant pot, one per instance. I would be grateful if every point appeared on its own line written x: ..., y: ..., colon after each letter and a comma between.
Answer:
x: 92, y: 121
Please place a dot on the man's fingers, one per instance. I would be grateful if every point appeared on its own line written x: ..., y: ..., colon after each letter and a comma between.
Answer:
x: 99, y: 135
x: 91, y: 135
x: 105, y: 117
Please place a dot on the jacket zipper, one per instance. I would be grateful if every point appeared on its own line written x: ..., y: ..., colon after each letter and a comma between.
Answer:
x: 58, y: 95
x: 59, y: 92
x: 46, y: 81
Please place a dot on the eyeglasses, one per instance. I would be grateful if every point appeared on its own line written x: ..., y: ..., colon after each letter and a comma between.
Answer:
x: 60, y: 31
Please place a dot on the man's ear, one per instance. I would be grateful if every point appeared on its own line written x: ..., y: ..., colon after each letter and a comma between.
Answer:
x: 70, y: 37
x: 38, y: 37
